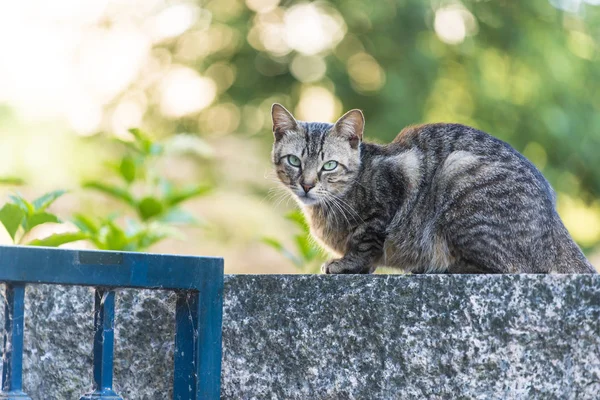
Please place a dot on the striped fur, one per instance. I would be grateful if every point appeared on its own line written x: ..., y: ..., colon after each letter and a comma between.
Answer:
x: 441, y: 198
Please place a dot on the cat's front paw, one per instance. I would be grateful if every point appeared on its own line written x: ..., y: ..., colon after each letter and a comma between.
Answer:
x: 342, y: 266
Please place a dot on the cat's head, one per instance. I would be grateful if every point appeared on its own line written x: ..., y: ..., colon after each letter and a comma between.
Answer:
x: 316, y: 160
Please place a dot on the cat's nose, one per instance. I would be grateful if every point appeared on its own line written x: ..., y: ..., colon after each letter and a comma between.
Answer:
x: 307, y: 187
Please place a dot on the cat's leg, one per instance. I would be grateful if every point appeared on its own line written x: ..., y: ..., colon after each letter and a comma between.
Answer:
x: 365, y: 248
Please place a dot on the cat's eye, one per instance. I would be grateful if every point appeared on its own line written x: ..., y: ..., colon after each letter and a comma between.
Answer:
x: 330, y: 165
x: 293, y: 161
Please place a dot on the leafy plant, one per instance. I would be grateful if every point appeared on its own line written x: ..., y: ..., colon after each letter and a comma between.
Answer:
x: 106, y: 234
x: 20, y: 216
x: 157, y: 207
x: 306, y: 256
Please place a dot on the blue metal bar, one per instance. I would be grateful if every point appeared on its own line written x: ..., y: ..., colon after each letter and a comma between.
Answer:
x: 185, y: 386
x: 208, y: 343
x: 198, y: 343
x: 12, y: 366
x: 105, y: 268
x: 104, y: 319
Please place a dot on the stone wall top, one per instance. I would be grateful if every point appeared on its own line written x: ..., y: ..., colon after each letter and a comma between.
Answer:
x: 412, y: 337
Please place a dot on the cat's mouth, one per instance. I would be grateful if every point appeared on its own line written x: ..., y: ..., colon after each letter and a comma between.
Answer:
x: 308, y: 199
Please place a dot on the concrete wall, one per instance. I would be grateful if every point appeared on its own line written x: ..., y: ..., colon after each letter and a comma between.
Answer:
x: 342, y: 337
x: 412, y: 337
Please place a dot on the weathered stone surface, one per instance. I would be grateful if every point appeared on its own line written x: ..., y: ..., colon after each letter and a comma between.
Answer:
x: 342, y: 337
x: 58, y: 326
x: 412, y: 337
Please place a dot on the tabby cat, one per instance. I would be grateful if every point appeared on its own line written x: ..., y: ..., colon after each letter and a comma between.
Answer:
x: 441, y: 198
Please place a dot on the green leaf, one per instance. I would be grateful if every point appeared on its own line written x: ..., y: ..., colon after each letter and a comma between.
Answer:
x: 149, y: 207
x: 85, y: 224
x: 113, y: 191
x: 115, y: 238
x: 38, y: 219
x: 43, y: 202
x: 127, y: 169
x: 297, y: 217
x: 59, y: 238
x: 181, y: 195
x: 25, y: 205
x: 138, y: 134
x: 10, y: 180
x: 306, y: 248
x: 11, y: 216
x: 147, y: 239
x: 147, y: 146
x: 274, y: 243
x: 153, y: 233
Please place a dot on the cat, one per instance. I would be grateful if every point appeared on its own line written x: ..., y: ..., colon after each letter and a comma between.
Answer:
x: 440, y: 198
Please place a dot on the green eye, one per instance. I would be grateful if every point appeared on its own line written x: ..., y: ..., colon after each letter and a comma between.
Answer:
x: 330, y: 165
x: 293, y: 161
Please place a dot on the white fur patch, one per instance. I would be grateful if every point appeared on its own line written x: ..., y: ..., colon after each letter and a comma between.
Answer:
x: 440, y: 255
x: 456, y: 162
x: 410, y: 163
x: 436, y: 252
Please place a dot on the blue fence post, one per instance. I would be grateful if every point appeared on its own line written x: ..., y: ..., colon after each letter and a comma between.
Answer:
x: 12, y: 365
x: 197, y: 356
x: 104, y: 320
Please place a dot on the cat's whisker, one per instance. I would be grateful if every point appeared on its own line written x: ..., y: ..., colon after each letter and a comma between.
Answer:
x: 274, y: 189
x: 347, y: 206
x: 335, y: 203
x: 284, y: 196
x: 277, y: 194
x: 340, y: 205
x: 342, y: 211
x: 331, y: 211
x: 274, y: 192
x: 328, y: 206
x: 274, y: 196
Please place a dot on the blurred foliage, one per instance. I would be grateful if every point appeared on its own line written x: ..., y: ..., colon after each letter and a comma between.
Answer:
x: 11, y: 180
x: 306, y: 255
x: 156, y: 206
x: 20, y: 216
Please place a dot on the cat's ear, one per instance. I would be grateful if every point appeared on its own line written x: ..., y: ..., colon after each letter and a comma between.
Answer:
x: 283, y: 121
x: 351, y: 126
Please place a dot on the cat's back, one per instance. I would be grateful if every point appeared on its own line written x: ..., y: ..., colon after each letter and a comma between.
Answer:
x: 445, y: 138
x: 455, y: 150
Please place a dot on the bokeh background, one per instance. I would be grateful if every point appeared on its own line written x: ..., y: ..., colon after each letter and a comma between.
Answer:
x: 73, y: 73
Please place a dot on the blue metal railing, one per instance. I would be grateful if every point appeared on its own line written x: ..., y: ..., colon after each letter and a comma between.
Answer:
x: 198, y: 282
